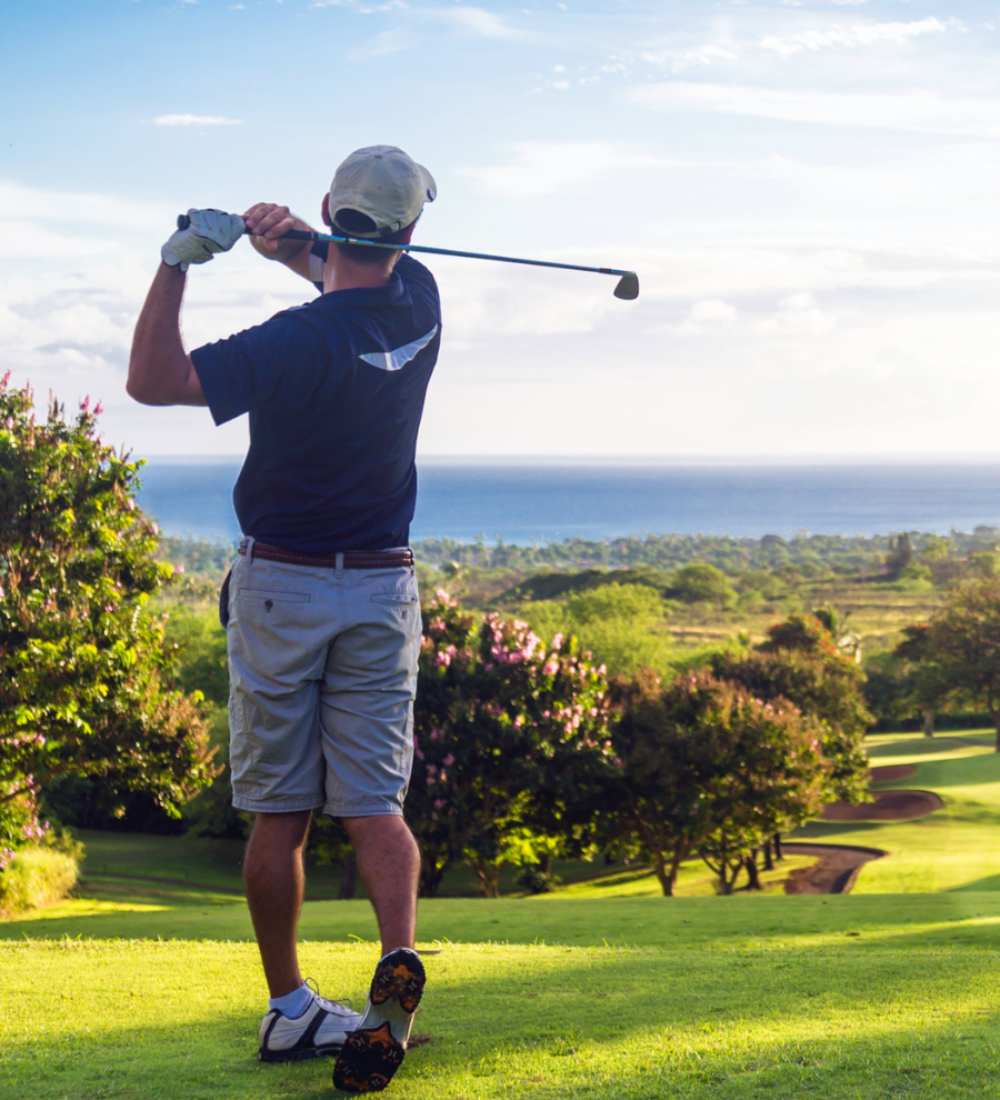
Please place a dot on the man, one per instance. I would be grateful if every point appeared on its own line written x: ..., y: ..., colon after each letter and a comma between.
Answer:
x: 323, y: 616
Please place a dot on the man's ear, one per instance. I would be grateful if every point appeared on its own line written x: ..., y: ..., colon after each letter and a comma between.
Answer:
x: 324, y: 211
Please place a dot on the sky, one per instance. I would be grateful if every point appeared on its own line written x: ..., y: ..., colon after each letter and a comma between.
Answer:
x: 807, y: 189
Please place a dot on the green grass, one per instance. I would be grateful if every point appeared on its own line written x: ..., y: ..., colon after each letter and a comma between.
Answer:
x: 141, y: 989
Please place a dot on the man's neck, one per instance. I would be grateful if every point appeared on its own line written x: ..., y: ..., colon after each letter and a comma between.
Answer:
x: 341, y: 274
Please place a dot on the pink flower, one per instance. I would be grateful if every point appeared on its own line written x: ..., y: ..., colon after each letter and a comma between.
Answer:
x: 551, y: 667
x: 557, y: 642
x: 443, y: 659
x: 438, y: 803
x: 98, y: 409
x: 449, y: 760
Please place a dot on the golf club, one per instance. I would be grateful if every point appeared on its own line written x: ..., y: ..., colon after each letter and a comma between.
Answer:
x: 627, y: 287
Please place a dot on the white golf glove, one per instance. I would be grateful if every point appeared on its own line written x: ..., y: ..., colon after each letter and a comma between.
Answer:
x: 210, y: 231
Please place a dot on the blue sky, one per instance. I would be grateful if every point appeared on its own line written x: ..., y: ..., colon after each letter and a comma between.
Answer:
x: 807, y: 189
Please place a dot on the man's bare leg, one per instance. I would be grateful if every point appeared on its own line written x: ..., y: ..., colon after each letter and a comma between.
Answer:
x: 389, y: 865
x: 274, y: 876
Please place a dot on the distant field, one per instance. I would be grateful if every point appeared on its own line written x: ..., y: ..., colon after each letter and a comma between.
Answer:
x: 876, y: 612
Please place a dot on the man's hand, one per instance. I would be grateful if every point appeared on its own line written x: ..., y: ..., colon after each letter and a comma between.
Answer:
x: 267, y: 222
x: 209, y: 231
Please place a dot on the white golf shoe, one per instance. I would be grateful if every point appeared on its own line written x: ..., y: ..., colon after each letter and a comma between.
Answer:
x: 320, y: 1030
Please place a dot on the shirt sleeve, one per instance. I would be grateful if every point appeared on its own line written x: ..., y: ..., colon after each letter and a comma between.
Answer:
x: 244, y: 371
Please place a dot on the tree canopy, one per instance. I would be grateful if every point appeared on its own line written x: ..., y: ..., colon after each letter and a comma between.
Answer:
x: 85, y: 679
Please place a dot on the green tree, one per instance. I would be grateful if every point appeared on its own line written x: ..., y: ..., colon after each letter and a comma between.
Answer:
x: 964, y: 639
x: 85, y: 677
x: 701, y: 582
x: 899, y: 557
x: 704, y: 768
x: 925, y: 683
x: 506, y: 730
x: 623, y: 625
x: 801, y: 663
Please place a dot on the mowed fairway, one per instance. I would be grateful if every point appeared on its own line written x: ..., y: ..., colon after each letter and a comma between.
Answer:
x: 580, y: 994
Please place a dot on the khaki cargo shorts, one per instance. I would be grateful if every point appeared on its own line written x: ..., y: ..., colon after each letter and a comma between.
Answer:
x: 323, y: 674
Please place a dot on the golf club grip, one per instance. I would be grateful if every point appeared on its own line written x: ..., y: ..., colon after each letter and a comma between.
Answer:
x: 183, y: 221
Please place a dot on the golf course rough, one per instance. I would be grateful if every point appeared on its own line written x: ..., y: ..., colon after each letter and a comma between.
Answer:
x: 851, y: 997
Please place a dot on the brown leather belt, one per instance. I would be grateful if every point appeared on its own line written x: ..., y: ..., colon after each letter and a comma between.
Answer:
x: 347, y: 559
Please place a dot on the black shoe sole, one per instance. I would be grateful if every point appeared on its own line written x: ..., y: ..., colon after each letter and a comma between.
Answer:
x: 371, y: 1055
x: 297, y: 1055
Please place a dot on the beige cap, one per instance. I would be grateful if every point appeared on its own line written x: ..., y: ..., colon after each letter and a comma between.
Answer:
x: 385, y: 185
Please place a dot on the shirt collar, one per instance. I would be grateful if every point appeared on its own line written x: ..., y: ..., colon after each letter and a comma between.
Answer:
x: 391, y: 294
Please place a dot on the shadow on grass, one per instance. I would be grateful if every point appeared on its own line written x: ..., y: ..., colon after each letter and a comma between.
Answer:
x: 681, y: 1023
x: 651, y: 921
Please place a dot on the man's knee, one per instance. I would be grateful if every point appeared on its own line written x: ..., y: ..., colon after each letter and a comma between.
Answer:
x: 388, y: 829
x: 278, y: 833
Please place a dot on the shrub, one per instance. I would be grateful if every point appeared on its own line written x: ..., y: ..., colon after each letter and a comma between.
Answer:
x: 36, y: 876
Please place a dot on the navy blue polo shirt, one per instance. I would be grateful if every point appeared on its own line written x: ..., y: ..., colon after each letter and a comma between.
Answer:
x: 335, y: 391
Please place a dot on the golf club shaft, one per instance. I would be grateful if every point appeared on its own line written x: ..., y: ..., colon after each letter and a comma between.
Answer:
x: 302, y: 235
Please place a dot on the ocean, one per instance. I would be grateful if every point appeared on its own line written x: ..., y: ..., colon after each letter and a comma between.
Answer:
x: 531, y: 503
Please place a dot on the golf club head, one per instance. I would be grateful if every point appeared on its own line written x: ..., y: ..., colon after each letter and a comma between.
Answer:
x: 628, y: 286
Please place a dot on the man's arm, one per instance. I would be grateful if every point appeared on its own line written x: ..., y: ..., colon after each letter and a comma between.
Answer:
x: 160, y: 371
x: 267, y: 221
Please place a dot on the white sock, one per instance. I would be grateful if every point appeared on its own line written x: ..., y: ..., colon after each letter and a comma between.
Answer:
x: 293, y: 1004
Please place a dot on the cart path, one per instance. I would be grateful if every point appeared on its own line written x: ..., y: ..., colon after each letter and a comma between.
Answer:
x: 836, y: 870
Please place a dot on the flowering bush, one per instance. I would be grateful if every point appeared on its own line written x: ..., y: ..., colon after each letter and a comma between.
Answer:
x: 509, y: 735
x: 84, y: 674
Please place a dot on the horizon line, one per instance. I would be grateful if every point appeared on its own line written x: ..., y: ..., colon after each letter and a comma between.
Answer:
x: 717, y: 458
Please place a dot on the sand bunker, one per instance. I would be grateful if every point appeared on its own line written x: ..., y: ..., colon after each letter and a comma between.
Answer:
x: 886, y: 806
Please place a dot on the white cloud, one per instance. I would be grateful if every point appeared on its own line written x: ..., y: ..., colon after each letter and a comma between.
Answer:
x: 394, y: 40
x: 545, y: 167
x: 74, y: 207
x: 542, y: 168
x: 680, y: 59
x: 196, y: 120
x: 916, y: 111
x: 704, y: 315
x: 854, y: 36
x: 477, y: 21
x: 798, y: 315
